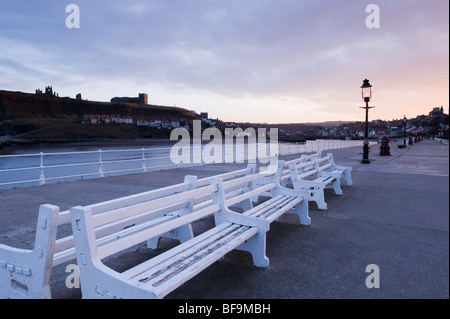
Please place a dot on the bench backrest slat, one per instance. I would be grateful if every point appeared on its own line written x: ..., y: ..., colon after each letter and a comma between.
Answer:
x: 242, y: 181
x: 225, y: 176
x: 124, y: 242
x: 97, y: 208
x: 116, y: 225
x: 141, y: 208
x: 151, y: 209
x: 307, y: 173
x: 305, y: 166
x: 124, y: 212
x: 325, y: 166
x: 250, y: 194
x: 151, y: 205
x: 284, y: 170
x: 137, y: 199
x: 322, y: 159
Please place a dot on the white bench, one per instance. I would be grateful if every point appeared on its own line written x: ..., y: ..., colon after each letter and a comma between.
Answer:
x: 205, y: 199
x: 160, y: 275
x: 330, y: 167
x: 308, y: 178
x: 26, y: 273
x: 282, y: 199
x: 284, y: 174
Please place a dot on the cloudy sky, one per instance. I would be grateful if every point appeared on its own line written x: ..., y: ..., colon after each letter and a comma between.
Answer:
x: 274, y: 61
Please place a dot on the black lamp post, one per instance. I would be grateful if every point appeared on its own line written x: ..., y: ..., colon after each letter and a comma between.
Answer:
x: 404, y: 130
x: 366, y: 91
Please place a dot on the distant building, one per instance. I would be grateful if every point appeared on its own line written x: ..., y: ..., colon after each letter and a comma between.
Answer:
x: 141, y: 99
x: 48, y: 92
x: 437, y: 112
x: 105, y: 119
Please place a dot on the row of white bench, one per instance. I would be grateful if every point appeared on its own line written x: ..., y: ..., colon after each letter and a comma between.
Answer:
x: 314, y: 173
x: 104, y: 229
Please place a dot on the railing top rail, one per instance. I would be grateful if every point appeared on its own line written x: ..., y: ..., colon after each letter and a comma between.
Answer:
x: 86, y: 152
x: 158, y: 156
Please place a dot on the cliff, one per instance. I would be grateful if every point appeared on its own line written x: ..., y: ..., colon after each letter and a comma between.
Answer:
x: 39, y: 118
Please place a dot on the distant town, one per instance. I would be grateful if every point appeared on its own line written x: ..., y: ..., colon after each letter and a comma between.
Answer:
x: 433, y: 124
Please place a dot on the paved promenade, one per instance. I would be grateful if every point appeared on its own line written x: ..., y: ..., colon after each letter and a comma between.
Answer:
x: 396, y: 216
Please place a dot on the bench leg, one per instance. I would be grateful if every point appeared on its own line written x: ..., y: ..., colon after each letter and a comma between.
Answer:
x: 183, y: 233
x: 285, y: 182
x: 348, y: 178
x: 100, y: 282
x: 336, y: 184
x: 257, y: 247
x: 318, y: 196
x: 247, y: 204
x: 26, y: 273
x: 301, y: 209
x: 17, y: 285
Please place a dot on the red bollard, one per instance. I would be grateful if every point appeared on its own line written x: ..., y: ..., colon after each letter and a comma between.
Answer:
x: 385, y: 148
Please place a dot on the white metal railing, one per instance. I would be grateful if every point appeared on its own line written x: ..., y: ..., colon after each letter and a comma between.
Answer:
x: 41, y: 168
x: 441, y: 140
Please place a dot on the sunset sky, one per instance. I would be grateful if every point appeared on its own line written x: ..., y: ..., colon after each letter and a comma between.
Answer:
x: 273, y: 61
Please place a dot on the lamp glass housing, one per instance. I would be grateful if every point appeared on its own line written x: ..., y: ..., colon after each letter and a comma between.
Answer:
x: 366, y: 90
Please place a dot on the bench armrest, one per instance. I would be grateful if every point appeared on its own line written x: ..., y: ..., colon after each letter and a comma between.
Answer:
x: 227, y: 215
x: 348, y: 168
x: 304, y: 193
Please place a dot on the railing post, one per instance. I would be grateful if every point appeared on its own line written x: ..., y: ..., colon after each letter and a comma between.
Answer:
x: 100, y: 162
x: 144, y: 168
x: 41, y: 177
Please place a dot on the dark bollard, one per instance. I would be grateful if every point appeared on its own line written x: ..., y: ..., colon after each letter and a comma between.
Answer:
x: 410, y: 142
x: 385, y: 148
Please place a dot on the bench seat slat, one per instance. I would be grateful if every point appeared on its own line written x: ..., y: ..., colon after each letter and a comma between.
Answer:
x: 263, y: 205
x: 161, y: 259
x: 208, y: 259
x: 190, y: 254
x: 274, y: 208
x: 170, y: 269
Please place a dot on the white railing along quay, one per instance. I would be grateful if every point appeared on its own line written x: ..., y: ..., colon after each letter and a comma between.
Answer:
x: 442, y: 140
x: 42, y: 168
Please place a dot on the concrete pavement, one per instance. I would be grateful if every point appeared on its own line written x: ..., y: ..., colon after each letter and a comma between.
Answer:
x: 396, y: 216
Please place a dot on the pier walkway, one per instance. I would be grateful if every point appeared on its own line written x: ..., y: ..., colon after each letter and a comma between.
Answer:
x: 396, y: 216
